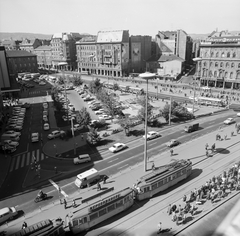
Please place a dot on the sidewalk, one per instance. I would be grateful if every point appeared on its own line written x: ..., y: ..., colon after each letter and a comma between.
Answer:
x: 194, y: 150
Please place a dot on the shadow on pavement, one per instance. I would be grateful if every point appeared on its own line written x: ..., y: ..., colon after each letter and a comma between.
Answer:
x: 222, y: 150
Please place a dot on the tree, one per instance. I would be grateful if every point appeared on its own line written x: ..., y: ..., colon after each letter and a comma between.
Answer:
x: 115, y: 87
x: 61, y: 80
x: 83, y: 117
x: 77, y: 80
x: 142, y: 112
x: 126, y: 124
x: 95, y: 86
x: 177, y: 112
x: 93, y: 136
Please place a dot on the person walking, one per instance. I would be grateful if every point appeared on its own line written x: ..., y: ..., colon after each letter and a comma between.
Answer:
x: 169, y: 210
x: 171, y: 152
x: 105, y: 179
x: 159, y: 227
x: 65, y: 203
x: 153, y: 166
x: 74, y: 203
x: 24, y: 225
x: 206, y: 146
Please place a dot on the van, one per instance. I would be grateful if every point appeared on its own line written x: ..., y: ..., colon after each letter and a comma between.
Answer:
x: 87, y: 178
x: 12, y: 137
x: 81, y: 159
x: 7, y: 213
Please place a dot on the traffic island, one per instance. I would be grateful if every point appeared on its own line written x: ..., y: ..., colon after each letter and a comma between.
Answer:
x: 35, y: 177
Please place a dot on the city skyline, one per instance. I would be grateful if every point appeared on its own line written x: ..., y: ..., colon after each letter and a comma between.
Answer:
x: 138, y: 16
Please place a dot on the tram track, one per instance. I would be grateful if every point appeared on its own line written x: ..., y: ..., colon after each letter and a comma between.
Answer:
x: 193, y: 183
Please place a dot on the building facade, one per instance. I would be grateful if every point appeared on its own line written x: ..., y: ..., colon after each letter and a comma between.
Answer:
x: 44, y: 56
x: 177, y: 43
x: 108, y: 55
x: 220, y: 61
x: 30, y: 44
x: 20, y: 61
x: 11, y: 44
x: 63, y: 47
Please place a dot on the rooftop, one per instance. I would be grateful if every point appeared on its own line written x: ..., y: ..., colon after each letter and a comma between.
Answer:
x: 44, y: 47
x: 19, y: 53
x: 165, y: 58
x: 115, y: 36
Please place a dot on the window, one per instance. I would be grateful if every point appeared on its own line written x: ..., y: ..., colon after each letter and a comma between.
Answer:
x: 215, y: 74
x: 211, y: 64
x: 111, y: 207
x: 126, y: 199
x: 184, y: 171
x: 205, y: 63
x: 120, y: 203
x: 160, y: 183
x: 93, y: 216
x: 205, y: 54
x: 234, y: 54
x: 75, y: 223
x: 221, y: 64
x: 238, y: 75
x: 232, y: 65
x: 223, y: 54
x: 238, y: 65
x: 231, y: 75
x: 154, y: 186
x: 228, y: 54
x: 212, y: 54
x: 216, y: 64
x: 178, y: 173
x: 146, y: 189
x: 103, y: 212
x: 217, y: 54
x: 227, y: 64
x: 226, y: 74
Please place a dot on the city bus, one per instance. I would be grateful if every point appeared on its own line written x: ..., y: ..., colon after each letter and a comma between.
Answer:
x: 43, y: 228
x: 210, y: 101
x: 94, y: 213
x: 136, y: 90
x: 162, y: 178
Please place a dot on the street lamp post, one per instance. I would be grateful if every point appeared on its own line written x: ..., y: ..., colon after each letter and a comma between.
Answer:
x: 146, y: 76
x: 194, y: 92
x: 74, y: 142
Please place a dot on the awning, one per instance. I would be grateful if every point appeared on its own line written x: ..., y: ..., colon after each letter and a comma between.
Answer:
x: 9, y: 91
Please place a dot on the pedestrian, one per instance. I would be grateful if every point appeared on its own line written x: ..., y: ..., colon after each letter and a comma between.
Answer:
x: 206, y: 146
x: 105, y: 179
x: 159, y: 228
x: 24, y: 225
x: 207, y: 154
x: 174, y: 207
x: 232, y: 134
x: 82, y: 136
x: 174, y: 217
x: 74, y: 203
x: 153, y: 166
x: 99, y: 186
x: 184, y: 198
x: 65, y: 203
x: 171, y: 152
x: 217, y: 137
x: 225, y: 137
x: 169, y: 210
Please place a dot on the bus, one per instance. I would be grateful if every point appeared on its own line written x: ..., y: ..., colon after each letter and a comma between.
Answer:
x: 42, y: 228
x: 162, y: 178
x: 136, y: 90
x: 210, y: 101
x: 94, y: 213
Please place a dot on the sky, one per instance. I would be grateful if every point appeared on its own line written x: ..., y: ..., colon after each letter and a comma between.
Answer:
x: 140, y: 17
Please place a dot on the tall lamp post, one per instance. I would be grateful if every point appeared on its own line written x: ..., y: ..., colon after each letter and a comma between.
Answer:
x: 196, y: 59
x: 146, y: 76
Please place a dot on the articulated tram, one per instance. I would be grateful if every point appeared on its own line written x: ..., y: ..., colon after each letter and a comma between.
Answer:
x: 162, y: 178
x: 101, y: 210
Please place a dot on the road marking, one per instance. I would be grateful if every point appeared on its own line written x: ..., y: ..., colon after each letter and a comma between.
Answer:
x: 28, y: 158
x: 12, y: 164
x: 17, y: 164
x: 37, y: 155
x: 58, y: 188
x: 113, y: 160
x: 23, y: 159
x: 122, y: 166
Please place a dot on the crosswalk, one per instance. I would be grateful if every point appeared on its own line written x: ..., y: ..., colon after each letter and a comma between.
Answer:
x: 25, y: 159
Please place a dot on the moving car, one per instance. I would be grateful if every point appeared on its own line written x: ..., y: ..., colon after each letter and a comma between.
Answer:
x: 117, y: 147
x: 35, y: 137
x: 46, y: 126
x: 82, y: 159
x: 229, y: 121
x: 152, y: 135
x: 7, y: 213
x: 172, y: 143
x: 56, y: 134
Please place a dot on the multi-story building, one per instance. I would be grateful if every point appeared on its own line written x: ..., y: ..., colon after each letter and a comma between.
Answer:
x: 44, y: 56
x: 178, y: 42
x: 220, y: 60
x: 30, y: 44
x: 11, y: 44
x: 64, y: 50
x: 108, y: 55
x: 140, y: 52
x: 21, y: 61
x: 87, y: 55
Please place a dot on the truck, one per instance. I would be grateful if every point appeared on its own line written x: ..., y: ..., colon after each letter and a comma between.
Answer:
x: 191, y: 127
x: 87, y: 178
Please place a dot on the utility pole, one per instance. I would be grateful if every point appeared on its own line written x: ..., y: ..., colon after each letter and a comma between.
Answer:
x: 170, y: 112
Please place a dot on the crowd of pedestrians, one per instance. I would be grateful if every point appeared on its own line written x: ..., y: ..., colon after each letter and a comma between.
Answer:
x: 215, y: 189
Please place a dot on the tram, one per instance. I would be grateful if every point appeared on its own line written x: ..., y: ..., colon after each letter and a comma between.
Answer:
x: 162, y: 178
x: 43, y: 228
x: 101, y: 210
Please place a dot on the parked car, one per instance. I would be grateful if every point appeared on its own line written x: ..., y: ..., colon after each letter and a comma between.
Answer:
x: 13, y: 132
x: 99, y: 112
x: 46, y: 126
x: 117, y: 147
x: 229, y: 121
x: 45, y: 105
x: 10, y: 143
x: 82, y: 159
x: 45, y: 118
x: 8, y: 149
x: 104, y: 117
x: 152, y: 135
x: 172, y: 143
x: 42, y: 83
x: 238, y: 114
x: 56, y: 134
x: 14, y: 127
x: 76, y: 127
